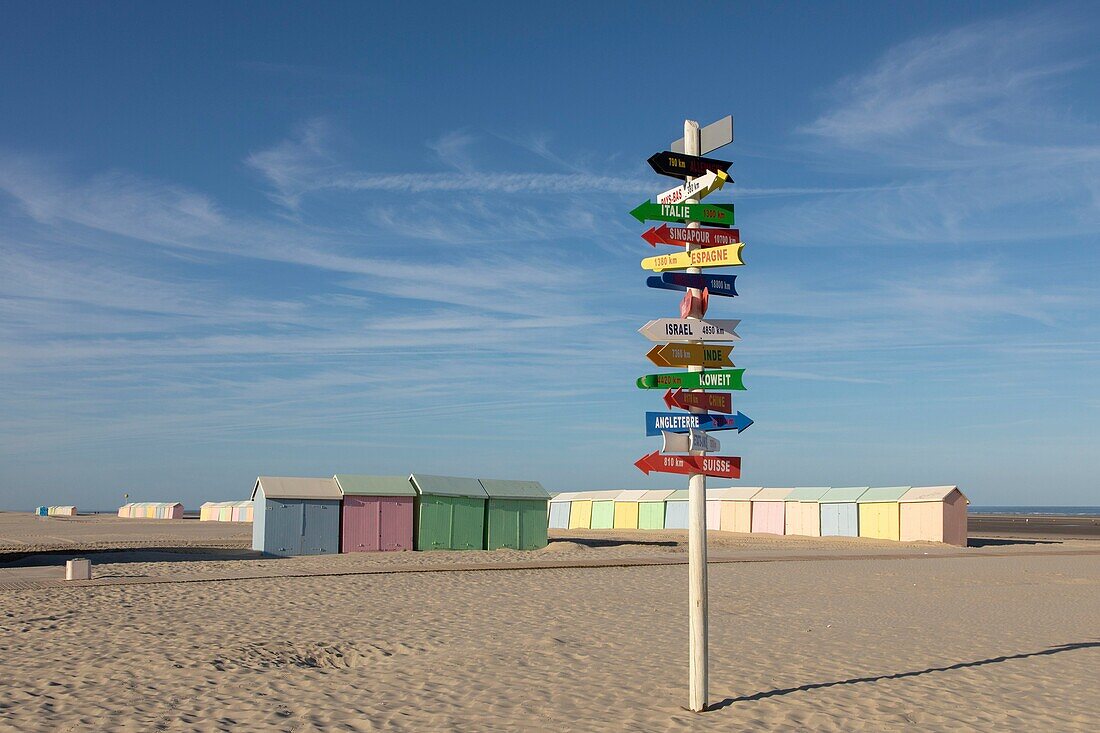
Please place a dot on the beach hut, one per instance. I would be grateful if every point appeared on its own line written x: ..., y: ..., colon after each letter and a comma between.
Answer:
x: 559, y: 509
x: 42, y: 511
x: 676, y: 510
x: 65, y: 510
x: 450, y: 513
x: 735, y: 508
x: 769, y: 511
x: 839, y: 511
x: 714, y: 510
x: 651, y: 509
x: 626, y: 509
x: 934, y: 514
x: 803, y: 513
x: 603, y: 509
x: 124, y: 510
x: 880, y: 514
x: 206, y: 510
x: 580, y: 510
x: 515, y: 514
x: 296, y: 516
x: 377, y: 513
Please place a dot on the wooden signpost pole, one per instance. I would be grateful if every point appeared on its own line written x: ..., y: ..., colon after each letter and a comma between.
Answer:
x: 697, y: 507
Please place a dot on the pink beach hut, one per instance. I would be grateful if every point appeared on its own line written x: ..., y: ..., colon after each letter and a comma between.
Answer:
x: 714, y: 510
x: 934, y: 514
x: 804, y: 511
x: 377, y: 513
x: 768, y: 511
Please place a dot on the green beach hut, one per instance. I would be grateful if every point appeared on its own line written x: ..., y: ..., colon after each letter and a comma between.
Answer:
x: 450, y: 513
x: 651, y: 509
x: 515, y: 514
x: 603, y: 509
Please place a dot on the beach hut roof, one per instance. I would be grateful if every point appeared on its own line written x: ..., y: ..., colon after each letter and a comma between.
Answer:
x: 887, y: 493
x: 739, y: 493
x: 447, y: 486
x: 564, y: 496
x: 807, y: 493
x: 605, y: 494
x: 842, y: 495
x: 285, y: 487
x: 767, y: 494
x: 678, y: 495
x: 630, y: 495
x: 930, y: 493
x: 498, y: 489
x: 657, y: 495
x: 361, y: 485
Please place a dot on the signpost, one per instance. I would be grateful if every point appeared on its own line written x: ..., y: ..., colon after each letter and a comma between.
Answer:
x: 695, y: 188
x: 727, y: 256
x: 686, y: 346
x: 715, y: 401
x: 679, y: 213
x: 681, y: 236
x: 717, y: 466
x: 681, y: 422
x: 691, y: 329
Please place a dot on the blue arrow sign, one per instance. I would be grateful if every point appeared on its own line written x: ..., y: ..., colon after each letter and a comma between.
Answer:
x: 716, y: 284
x: 680, y: 422
x: 657, y: 282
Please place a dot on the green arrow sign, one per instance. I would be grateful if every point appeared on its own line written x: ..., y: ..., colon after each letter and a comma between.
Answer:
x: 679, y: 213
x: 717, y: 379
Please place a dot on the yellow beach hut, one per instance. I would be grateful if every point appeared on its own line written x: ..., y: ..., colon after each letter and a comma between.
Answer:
x: 934, y: 514
x: 580, y: 510
x: 879, y: 513
x: 735, y: 512
x: 626, y: 509
x: 803, y: 512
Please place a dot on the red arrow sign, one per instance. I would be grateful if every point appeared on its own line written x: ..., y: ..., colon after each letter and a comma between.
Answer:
x: 716, y: 401
x: 681, y: 236
x: 719, y: 466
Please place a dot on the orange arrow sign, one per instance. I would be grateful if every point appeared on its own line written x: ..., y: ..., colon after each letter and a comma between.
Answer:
x: 704, y: 355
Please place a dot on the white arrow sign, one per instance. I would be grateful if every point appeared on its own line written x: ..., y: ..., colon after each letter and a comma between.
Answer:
x: 694, y: 439
x: 703, y: 185
x: 690, y: 329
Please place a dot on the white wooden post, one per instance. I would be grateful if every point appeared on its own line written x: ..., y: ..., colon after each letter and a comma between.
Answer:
x: 697, y: 511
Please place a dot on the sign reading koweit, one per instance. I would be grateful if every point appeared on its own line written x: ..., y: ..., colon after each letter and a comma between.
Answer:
x: 718, y: 379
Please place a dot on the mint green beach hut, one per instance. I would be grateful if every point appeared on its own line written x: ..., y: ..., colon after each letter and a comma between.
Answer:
x: 651, y: 509
x: 603, y: 509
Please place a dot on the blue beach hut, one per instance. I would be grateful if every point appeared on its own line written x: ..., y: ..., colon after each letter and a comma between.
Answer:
x: 296, y: 516
x: 839, y: 512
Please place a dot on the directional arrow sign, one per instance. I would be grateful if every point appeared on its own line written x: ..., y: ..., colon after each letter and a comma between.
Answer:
x: 711, y: 137
x: 715, y: 401
x: 689, y: 441
x: 704, y: 355
x: 720, y: 379
x: 697, y: 188
x: 718, y: 466
x: 690, y: 329
x: 679, y: 165
x: 728, y: 256
x: 656, y: 281
x: 680, y: 422
x: 679, y: 213
x: 681, y: 236
x: 716, y: 284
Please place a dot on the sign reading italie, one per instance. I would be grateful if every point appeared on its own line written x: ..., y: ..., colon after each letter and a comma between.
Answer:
x: 678, y: 165
x: 679, y: 213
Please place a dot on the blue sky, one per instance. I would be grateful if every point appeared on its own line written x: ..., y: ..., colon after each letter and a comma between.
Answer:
x: 273, y: 239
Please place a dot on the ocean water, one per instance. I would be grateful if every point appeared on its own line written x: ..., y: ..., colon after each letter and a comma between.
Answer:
x: 1058, y: 511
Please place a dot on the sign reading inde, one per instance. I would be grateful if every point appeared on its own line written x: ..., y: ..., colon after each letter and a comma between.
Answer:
x: 718, y: 466
x: 691, y: 354
x: 721, y: 214
x: 718, y: 379
x: 679, y: 165
x: 682, y: 236
x: 691, y: 329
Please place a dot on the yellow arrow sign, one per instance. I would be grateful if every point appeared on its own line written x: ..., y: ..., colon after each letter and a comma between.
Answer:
x: 704, y: 355
x: 725, y: 256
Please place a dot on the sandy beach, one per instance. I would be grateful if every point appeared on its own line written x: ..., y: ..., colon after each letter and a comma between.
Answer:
x: 588, y: 634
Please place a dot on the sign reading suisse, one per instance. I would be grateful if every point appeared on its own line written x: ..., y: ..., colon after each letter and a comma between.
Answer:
x: 719, y: 379
x: 682, y: 236
x: 679, y: 213
x: 717, y: 466
x: 691, y: 329
x: 697, y: 188
x: 728, y: 256
x: 679, y: 422
x: 680, y: 165
x: 689, y: 441
x: 716, y: 401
